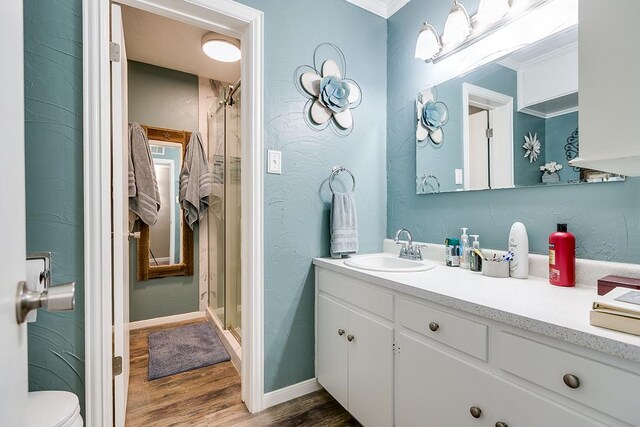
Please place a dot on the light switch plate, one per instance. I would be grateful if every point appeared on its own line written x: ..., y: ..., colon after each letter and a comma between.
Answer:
x: 459, y: 177
x: 274, y: 162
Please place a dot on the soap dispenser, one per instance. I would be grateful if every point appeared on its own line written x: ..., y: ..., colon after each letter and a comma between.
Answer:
x: 464, y: 243
x: 519, y: 246
x: 475, y: 258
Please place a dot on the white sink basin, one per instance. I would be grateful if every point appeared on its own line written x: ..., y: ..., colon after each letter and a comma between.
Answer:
x: 388, y: 263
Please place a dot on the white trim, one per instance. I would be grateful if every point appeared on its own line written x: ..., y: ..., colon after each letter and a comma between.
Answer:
x: 147, y: 323
x: 230, y: 342
x: 545, y: 116
x: 383, y: 8
x: 224, y: 16
x: 494, y: 102
x: 286, y: 394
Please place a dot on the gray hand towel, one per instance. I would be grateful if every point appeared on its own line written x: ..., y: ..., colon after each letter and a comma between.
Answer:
x: 144, y: 197
x: 344, y: 225
x: 195, y: 181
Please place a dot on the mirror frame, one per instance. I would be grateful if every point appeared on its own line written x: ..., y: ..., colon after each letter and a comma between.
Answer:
x: 145, y: 270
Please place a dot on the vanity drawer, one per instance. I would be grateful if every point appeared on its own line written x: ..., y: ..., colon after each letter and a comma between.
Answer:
x: 600, y: 386
x: 356, y: 293
x: 462, y: 334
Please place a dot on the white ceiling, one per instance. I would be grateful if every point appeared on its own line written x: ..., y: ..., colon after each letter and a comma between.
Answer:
x: 161, y: 41
x: 384, y: 8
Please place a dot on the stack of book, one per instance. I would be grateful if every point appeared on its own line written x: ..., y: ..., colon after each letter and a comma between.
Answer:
x: 619, y: 309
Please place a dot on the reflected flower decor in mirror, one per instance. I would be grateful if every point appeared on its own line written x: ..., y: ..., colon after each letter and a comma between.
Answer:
x: 432, y: 116
x: 531, y: 147
x: 331, y: 95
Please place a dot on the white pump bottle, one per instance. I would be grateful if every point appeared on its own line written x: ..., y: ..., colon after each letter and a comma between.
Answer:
x: 519, y: 245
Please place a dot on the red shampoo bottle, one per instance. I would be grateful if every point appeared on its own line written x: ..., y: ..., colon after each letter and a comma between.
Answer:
x: 562, y: 257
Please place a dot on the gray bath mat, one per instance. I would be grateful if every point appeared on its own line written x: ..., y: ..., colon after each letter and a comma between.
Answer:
x: 183, y: 349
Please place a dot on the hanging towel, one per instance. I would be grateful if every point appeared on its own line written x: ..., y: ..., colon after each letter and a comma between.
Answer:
x: 144, y: 197
x: 195, y: 181
x: 344, y: 225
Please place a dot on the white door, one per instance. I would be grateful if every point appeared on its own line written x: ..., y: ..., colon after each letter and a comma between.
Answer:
x: 120, y: 205
x: 13, y: 356
x: 478, y: 151
x: 370, y: 371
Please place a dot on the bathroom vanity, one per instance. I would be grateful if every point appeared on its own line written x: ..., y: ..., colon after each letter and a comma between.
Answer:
x: 448, y: 347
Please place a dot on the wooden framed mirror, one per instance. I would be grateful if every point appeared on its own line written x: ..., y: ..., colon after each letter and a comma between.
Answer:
x: 166, y: 248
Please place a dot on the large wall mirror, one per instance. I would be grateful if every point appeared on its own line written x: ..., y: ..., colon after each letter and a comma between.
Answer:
x: 166, y: 248
x: 510, y: 123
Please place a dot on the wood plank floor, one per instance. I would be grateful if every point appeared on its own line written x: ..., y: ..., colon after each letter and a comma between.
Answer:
x: 210, y: 396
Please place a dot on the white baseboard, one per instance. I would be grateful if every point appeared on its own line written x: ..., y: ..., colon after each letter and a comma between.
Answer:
x: 282, y: 395
x: 167, y: 319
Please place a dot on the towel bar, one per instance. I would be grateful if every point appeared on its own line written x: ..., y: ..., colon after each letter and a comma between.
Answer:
x: 336, y: 170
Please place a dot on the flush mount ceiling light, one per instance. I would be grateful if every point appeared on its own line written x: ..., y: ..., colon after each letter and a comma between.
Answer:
x: 458, y: 25
x: 491, y: 11
x: 428, y: 43
x: 220, y: 48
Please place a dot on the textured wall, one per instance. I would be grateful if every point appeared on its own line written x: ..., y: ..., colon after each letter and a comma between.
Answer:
x: 169, y: 99
x: 558, y: 129
x: 53, y: 125
x: 604, y: 217
x: 296, y: 202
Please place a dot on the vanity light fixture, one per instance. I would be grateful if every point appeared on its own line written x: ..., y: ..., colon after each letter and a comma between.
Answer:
x: 221, y: 48
x: 491, y: 11
x: 428, y: 43
x: 458, y: 25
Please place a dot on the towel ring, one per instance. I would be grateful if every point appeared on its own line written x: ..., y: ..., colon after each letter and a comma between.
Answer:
x: 336, y: 170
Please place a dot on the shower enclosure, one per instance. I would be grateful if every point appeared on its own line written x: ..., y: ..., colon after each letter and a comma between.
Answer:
x: 224, y: 213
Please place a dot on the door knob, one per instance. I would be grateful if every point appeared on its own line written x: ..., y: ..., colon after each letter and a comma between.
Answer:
x: 54, y: 298
x: 341, y: 332
x: 475, y: 411
x: 350, y: 337
x: 501, y: 424
x: 434, y: 326
x: 571, y: 381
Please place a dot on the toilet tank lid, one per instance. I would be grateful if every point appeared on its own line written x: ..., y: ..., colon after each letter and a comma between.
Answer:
x: 51, y: 408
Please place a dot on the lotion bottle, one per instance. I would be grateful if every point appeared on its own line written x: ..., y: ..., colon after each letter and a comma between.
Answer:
x: 519, y: 246
x: 464, y: 244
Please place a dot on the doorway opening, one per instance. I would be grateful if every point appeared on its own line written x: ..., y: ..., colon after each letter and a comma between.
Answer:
x: 487, y: 138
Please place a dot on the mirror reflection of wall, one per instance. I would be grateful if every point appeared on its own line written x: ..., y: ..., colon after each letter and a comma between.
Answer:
x: 165, y: 235
x: 528, y: 97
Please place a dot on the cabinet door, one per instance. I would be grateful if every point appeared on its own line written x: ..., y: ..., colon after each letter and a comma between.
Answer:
x: 332, y: 348
x: 370, y: 371
x: 436, y: 389
x: 517, y: 407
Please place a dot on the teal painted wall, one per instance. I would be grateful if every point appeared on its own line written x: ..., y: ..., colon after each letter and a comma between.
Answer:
x: 53, y: 161
x: 297, y: 202
x: 169, y: 99
x: 604, y: 217
x: 558, y: 129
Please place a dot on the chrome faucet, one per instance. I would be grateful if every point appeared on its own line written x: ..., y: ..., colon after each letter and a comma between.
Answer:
x: 408, y: 249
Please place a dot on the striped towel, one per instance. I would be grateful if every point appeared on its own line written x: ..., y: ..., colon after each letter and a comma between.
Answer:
x: 344, y: 225
x: 195, y: 181
x: 144, y: 197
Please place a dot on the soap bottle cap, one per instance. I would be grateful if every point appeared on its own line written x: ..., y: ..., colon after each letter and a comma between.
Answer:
x: 562, y: 228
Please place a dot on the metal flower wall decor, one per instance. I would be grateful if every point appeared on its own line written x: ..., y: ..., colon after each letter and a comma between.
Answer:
x: 432, y: 116
x: 531, y: 147
x: 331, y: 94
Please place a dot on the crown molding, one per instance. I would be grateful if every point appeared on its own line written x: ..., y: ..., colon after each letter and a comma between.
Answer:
x: 383, y: 8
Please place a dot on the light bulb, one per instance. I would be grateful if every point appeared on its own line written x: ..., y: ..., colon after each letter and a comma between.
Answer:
x: 220, y: 48
x: 491, y: 11
x: 428, y: 43
x: 458, y: 26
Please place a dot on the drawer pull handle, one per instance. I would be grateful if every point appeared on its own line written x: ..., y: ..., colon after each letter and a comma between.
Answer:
x: 341, y: 332
x: 434, y: 326
x: 475, y: 411
x: 501, y: 424
x: 571, y: 381
x: 350, y: 337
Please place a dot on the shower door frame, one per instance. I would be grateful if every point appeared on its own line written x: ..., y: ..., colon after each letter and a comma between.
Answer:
x: 223, y: 16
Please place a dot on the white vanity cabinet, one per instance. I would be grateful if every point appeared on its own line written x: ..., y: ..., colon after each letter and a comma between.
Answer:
x: 354, y: 351
x: 393, y: 359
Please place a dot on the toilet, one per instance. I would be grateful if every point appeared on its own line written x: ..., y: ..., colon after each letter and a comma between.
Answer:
x: 53, y: 409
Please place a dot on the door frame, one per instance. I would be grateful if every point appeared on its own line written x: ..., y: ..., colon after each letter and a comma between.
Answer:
x: 226, y: 17
x: 500, y: 109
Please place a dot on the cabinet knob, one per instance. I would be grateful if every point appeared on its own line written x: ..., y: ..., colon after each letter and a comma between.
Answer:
x: 501, y: 424
x: 350, y: 337
x: 341, y: 332
x: 475, y: 411
x: 434, y: 326
x: 571, y: 381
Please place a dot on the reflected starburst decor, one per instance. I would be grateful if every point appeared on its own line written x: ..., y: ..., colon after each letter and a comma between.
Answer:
x: 331, y: 94
x: 432, y: 116
x: 531, y: 147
